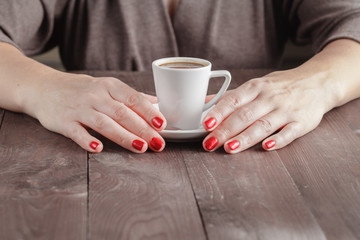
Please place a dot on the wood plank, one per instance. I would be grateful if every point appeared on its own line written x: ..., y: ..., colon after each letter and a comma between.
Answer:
x: 325, y: 166
x: 350, y: 112
x: 253, y: 195
x: 326, y: 150
x: 141, y: 196
x: 43, y: 182
x: 253, y: 192
x: 249, y: 195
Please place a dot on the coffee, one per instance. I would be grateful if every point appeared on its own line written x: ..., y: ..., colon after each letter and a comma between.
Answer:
x: 182, y: 65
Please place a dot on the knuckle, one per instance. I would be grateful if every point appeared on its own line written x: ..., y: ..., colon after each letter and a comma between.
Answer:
x: 245, y: 115
x: 260, y: 85
x: 134, y: 99
x: 283, y: 139
x: 255, y: 83
x: 265, y: 124
x: 107, y: 82
x: 99, y: 122
x: 142, y: 131
x: 233, y: 100
x: 289, y: 133
x: 120, y: 111
x: 215, y: 112
x: 246, y: 140
x: 149, y: 113
x: 74, y: 134
x: 223, y: 134
x: 121, y: 141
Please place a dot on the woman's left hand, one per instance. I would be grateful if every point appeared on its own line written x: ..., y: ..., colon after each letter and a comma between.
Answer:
x: 288, y: 103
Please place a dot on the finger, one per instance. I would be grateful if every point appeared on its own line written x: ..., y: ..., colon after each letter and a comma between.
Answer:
x: 132, y: 122
x: 78, y: 134
x: 284, y: 137
x: 228, y: 104
x: 209, y: 97
x: 107, y: 127
x: 255, y: 133
x: 150, y: 98
x: 138, y: 103
x: 237, y: 122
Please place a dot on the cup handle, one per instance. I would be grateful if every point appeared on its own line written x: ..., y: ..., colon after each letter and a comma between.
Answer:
x: 220, y: 73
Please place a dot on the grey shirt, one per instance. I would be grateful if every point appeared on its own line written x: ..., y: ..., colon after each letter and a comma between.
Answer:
x: 130, y: 34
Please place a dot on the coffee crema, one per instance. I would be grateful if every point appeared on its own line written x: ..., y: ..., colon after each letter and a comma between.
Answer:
x: 182, y: 65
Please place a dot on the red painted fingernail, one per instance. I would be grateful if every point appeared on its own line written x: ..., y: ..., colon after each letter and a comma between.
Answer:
x: 210, y: 144
x: 137, y: 144
x: 156, y: 143
x: 94, y: 145
x: 233, y: 144
x: 157, y: 122
x: 270, y: 144
x: 210, y: 123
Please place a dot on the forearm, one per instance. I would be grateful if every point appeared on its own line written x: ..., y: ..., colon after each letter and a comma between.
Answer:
x: 340, y: 63
x: 18, y: 74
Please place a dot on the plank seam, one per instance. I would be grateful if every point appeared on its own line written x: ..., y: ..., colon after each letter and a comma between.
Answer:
x: 87, y: 197
x: 300, y: 194
x: 2, y: 119
x: 197, y: 203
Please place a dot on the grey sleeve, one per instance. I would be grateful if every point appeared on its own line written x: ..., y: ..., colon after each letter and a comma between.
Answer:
x: 28, y: 25
x: 321, y: 21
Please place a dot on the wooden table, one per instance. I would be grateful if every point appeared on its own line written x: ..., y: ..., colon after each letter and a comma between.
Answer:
x: 52, y: 189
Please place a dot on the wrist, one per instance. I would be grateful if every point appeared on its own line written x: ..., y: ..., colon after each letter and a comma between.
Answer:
x: 327, y: 82
x: 30, y: 93
x: 339, y: 60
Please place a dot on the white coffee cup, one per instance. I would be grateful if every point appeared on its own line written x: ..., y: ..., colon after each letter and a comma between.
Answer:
x: 182, y: 91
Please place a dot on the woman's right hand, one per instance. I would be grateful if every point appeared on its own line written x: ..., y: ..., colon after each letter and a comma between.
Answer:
x: 69, y: 104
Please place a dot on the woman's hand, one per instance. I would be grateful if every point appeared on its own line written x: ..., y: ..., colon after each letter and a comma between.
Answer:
x: 288, y: 103
x: 70, y: 104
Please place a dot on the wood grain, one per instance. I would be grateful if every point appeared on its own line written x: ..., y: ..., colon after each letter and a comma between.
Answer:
x: 248, y: 196
x: 43, y: 190
x: 141, y: 196
x: 350, y: 113
x: 325, y: 166
x: 308, y: 190
x: 269, y: 201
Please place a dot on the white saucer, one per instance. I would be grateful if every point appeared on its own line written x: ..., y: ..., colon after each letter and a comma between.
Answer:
x: 184, y: 135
